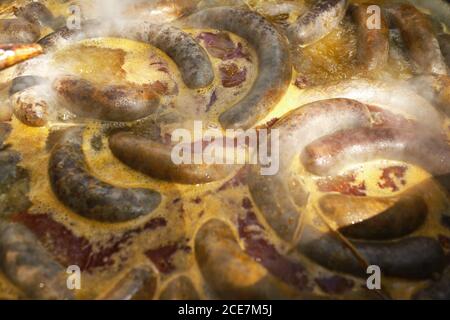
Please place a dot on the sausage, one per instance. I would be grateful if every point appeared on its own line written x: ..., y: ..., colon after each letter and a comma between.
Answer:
x: 435, y: 88
x: 273, y: 61
x: 420, y: 40
x: 392, y: 96
x: 31, y: 106
x: 154, y: 159
x: 321, y: 18
x: 373, y: 44
x: 28, y: 265
x: 29, y: 100
x: 230, y: 272
x: 18, y: 31
x: 78, y: 189
x: 111, y: 103
x: 139, y: 283
x: 13, y: 54
x: 331, y: 154
x: 373, y: 218
x: 410, y: 258
x: 190, y: 57
x: 278, y: 197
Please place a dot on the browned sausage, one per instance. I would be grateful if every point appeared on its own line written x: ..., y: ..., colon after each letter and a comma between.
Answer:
x: 418, y: 35
x: 332, y: 153
x: 274, y: 63
x: 111, y: 103
x: 373, y: 44
x: 77, y: 188
x: 154, y: 159
x: 230, y: 272
x: 412, y: 258
x: 279, y: 196
x: 374, y: 218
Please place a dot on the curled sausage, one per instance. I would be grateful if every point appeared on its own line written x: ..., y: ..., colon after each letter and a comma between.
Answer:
x: 273, y: 61
x: 279, y: 196
x: 31, y: 105
x: 189, y: 56
x: 191, y: 59
x: 27, y: 264
x: 77, y: 188
x: 330, y: 154
x: 317, y: 22
x: 418, y: 35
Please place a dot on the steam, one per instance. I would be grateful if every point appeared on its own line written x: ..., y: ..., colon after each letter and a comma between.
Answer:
x: 96, y: 19
x: 118, y: 12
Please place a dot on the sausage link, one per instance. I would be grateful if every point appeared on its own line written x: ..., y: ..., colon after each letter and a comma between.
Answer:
x: 274, y: 63
x: 279, y: 197
x: 77, y: 188
x: 331, y: 154
x: 418, y: 35
x: 25, y: 261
